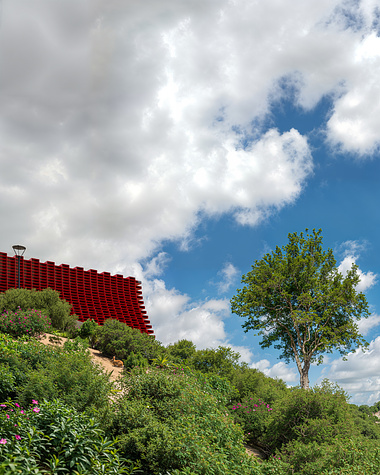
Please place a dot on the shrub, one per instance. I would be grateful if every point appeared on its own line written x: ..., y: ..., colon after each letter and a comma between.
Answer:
x: 317, y: 415
x: 24, y: 322
x: 254, y: 416
x: 54, y: 437
x: 88, y: 330
x: 70, y: 375
x: 171, y: 424
x: 17, y: 359
x: 117, y: 339
x: 338, y: 456
x: 47, y: 301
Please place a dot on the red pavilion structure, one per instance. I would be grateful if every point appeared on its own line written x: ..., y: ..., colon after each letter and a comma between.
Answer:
x: 91, y: 294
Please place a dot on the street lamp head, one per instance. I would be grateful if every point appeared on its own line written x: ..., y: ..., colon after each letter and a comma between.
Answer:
x: 19, y: 250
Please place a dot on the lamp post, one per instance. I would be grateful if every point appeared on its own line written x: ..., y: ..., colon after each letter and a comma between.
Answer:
x: 19, y: 251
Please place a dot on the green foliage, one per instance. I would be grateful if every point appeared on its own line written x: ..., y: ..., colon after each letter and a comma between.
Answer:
x: 69, y: 374
x: 88, y: 330
x: 296, y: 299
x: 222, y: 361
x: 135, y: 361
x: 169, y: 422
x: 315, y: 416
x: 117, y: 339
x: 24, y: 322
x: 254, y: 415
x: 252, y: 383
x: 182, y: 351
x: 7, y: 382
x: 47, y: 301
x: 17, y: 359
x: 53, y: 438
x: 339, y: 456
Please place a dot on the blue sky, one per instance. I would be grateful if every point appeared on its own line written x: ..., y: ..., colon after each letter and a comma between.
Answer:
x: 179, y: 141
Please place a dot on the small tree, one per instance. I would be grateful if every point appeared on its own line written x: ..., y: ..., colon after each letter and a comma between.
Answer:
x: 296, y: 298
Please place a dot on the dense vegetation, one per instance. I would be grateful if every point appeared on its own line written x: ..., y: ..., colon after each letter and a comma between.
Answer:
x: 175, y: 411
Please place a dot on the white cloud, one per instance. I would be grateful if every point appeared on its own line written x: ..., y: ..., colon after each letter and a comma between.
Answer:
x: 367, y: 324
x: 123, y: 124
x: 229, y: 275
x: 356, y: 375
x: 351, y: 251
x: 175, y: 317
x: 279, y: 370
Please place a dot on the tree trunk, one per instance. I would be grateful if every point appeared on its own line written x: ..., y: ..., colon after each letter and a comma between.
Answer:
x: 304, y: 377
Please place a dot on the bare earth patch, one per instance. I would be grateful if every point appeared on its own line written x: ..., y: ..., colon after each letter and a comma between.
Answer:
x: 96, y: 355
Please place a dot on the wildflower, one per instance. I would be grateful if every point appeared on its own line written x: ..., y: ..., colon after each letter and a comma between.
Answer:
x: 3, y: 441
x: 3, y: 405
x: 18, y: 437
x: 34, y: 401
x: 36, y: 410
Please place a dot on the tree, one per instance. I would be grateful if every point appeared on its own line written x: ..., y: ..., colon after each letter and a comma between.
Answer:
x: 297, y: 300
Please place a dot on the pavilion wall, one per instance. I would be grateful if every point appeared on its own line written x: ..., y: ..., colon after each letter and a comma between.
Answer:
x: 92, y: 294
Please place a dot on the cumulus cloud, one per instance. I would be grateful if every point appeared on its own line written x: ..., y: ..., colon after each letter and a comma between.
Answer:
x: 228, y: 275
x: 279, y: 370
x: 352, y: 250
x: 120, y: 127
x: 365, y: 325
x: 356, y: 375
x: 124, y: 124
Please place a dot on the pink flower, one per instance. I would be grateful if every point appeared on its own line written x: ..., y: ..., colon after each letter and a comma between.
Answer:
x: 34, y: 401
x: 36, y: 409
x: 18, y: 437
x: 3, y: 441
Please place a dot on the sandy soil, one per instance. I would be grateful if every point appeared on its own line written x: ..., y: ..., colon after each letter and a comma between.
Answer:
x: 97, y: 357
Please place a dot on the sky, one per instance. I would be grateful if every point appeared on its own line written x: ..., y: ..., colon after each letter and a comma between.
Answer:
x: 178, y: 142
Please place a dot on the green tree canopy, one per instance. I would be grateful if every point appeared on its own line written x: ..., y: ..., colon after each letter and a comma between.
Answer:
x: 296, y: 299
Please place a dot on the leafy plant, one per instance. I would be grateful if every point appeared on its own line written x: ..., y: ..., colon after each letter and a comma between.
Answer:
x: 168, y: 421
x: 47, y: 301
x: 70, y: 375
x: 24, y: 322
x: 117, y: 339
x: 53, y: 438
x: 88, y: 330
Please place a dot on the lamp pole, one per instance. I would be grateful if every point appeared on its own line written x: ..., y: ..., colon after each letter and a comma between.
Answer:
x: 19, y: 251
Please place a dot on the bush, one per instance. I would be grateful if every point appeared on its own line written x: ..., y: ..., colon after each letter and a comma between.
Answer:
x: 254, y: 416
x: 69, y: 374
x: 171, y: 424
x: 338, y: 456
x: 88, y: 330
x: 54, y: 437
x: 47, y: 301
x: 29, y: 322
x: 17, y: 358
x: 318, y: 415
x: 117, y: 339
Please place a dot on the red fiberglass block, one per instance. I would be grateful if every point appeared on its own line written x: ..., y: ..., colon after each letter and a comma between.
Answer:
x: 92, y: 294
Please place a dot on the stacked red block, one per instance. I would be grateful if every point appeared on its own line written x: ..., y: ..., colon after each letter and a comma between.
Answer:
x: 92, y: 294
